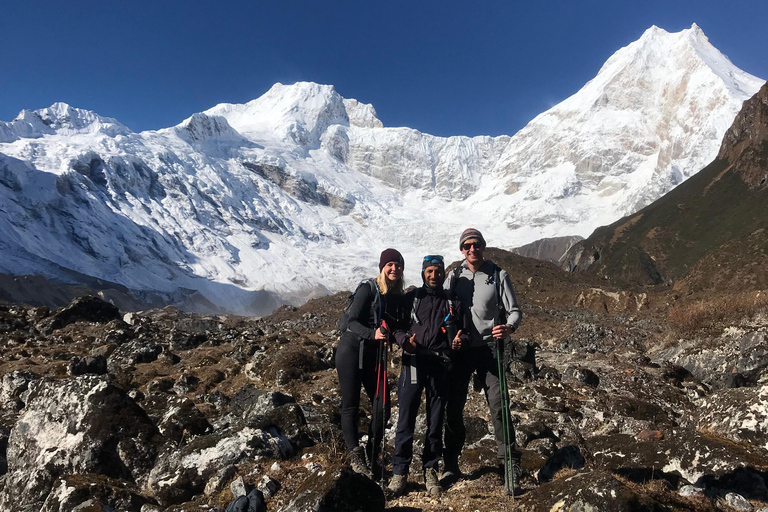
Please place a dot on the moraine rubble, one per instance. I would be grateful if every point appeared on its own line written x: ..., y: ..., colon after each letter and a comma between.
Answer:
x: 164, y: 411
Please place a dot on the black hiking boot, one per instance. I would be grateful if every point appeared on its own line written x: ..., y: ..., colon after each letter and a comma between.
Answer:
x: 510, y: 477
x: 451, y: 473
x: 357, y: 462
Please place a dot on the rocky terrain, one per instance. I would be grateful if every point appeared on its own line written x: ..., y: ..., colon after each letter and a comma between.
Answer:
x: 622, y: 400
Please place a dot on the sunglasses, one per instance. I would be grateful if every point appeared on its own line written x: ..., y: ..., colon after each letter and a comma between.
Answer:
x: 467, y: 246
x: 433, y: 258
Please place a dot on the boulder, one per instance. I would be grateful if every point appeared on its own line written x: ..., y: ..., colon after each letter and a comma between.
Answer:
x: 738, y: 414
x: 269, y: 409
x: 82, y: 493
x: 593, y: 491
x: 12, y: 388
x: 566, y: 457
x: 82, y: 309
x: 177, y: 418
x: 82, y: 365
x: 182, y: 473
x: 338, y: 489
x: 75, y: 426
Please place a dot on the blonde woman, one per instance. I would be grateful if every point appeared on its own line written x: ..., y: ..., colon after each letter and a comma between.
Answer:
x: 375, y: 312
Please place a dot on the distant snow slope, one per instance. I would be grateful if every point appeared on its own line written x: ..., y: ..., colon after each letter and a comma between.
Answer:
x: 295, y: 193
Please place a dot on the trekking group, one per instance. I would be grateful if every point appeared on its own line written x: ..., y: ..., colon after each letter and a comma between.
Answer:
x: 449, y: 329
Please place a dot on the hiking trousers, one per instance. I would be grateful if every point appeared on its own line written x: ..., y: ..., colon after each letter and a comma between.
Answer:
x: 351, y: 378
x: 465, y: 363
x: 419, y: 374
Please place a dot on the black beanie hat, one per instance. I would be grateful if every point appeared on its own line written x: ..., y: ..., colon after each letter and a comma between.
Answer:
x: 388, y: 255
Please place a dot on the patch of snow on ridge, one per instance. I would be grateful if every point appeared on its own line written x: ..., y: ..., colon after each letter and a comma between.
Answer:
x: 295, y: 194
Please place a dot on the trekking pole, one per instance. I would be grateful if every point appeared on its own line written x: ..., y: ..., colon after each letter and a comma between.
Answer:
x: 506, y: 421
x: 381, y: 397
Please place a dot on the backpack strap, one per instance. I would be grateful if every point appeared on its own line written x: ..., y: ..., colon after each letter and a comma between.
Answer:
x: 376, y: 314
x: 456, y: 272
x: 416, y: 300
x: 501, y: 312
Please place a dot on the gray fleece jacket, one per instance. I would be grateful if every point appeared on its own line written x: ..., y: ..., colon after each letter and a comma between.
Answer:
x: 477, y: 291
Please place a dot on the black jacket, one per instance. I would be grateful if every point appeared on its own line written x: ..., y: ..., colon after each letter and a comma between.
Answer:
x: 428, y: 326
x: 365, y: 313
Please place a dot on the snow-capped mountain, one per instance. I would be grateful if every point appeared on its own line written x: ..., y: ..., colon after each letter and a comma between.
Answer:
x: 294, y: 194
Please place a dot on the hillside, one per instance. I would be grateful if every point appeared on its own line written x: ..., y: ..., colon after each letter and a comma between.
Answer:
x: 705, y: 234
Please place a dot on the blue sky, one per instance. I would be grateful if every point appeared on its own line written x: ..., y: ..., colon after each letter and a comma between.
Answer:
x: 446, y: 68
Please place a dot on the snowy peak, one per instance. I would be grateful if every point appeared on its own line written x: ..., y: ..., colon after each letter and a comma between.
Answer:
x: 295, y: 193
x: 60, y: 119
x: 362, y: 115
x: 651, y: 118
x: 201, y: 127
x: 301, y: 112
x: 66, y: 120
x: 660, y: 58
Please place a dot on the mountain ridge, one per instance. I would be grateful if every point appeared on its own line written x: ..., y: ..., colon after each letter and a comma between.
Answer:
x: 709, y: 233
x: 293, y: 194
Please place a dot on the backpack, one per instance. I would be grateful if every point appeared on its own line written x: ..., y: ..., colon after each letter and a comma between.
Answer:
x: 344, y: 320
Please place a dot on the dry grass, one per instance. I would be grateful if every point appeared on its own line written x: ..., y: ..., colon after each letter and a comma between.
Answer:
x: 708, y: 315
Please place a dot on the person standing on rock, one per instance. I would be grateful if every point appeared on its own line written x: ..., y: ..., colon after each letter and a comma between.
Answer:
x: 435, y: 321
x: 376, y: 303
x: 488, y: 293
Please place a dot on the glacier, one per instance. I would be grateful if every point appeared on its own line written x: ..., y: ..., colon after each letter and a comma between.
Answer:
x: 294, y: 194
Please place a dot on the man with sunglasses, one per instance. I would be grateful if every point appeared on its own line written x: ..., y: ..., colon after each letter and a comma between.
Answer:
x: 435, y: 323
x: 488, y: 293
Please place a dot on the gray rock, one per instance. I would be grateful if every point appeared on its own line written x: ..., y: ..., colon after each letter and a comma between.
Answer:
x: 83, y: 365
x: 13, y: 386
x: 266, y: 409
x: 690, y: 490
x: 90, y: 492
x: 185, y: 384
x: 591, y: 491
x: 238, y: 487
x: 134, y: 352
x: 219, y: 481
x: 181, y: 473
x: 738, y: 502
x: 82, y: 309
x: 583, y: 375
x: 566, y: 457
x: 81, y: 425
x: 268, y: 485
x: 177, y: 418
x: 740, y: 414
